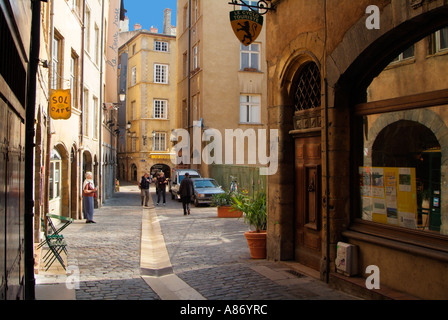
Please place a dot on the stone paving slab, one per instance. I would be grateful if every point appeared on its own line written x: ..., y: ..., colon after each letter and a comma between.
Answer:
x: 212, y: 256
x: 206, y: 257
x: 104, y: 258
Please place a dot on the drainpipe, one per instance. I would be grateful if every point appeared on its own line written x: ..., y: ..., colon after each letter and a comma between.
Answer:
x: 188, y: 75
x: 327, y: 164
x: 81, y: 129
x: 48, y: 154
x: 100, y: 111
x: 327, y: 186
x: 29, y: 151
x: 82, y: 73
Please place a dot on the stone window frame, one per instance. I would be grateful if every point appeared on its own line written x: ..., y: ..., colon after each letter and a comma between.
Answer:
x: 412, y: 108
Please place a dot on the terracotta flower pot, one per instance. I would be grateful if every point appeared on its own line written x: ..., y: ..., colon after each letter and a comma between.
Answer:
x: 257, y: 244
x: 227, y: 212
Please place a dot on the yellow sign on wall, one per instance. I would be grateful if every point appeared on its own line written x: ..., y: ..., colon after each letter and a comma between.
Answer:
x: 160, y: 156
x: 60, y: 104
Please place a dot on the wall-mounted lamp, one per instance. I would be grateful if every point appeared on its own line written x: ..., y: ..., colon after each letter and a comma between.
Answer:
x: 122, y: 95
x: 115, y: 106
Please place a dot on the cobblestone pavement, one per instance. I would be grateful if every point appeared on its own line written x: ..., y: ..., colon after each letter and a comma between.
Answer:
x: 212, y: 256
x: 209, y: 254
x: 107, y: 253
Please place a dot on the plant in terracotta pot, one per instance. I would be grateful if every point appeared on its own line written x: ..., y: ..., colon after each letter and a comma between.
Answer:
x: 255, y: 215
x: 224, y: 203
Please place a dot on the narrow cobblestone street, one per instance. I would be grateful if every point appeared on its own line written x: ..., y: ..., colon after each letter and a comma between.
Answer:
x: 210, y: 255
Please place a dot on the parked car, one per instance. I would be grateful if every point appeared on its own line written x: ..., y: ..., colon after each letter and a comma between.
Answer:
x: 176, y: 179
x: 204, y: 189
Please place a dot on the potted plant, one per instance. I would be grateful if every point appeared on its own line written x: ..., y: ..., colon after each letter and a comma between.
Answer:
x: 255, y: 215
x: 224, y: 203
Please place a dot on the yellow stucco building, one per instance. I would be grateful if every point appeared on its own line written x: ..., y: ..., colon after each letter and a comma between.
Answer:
x: 149, y: 60
x: 221, y: 83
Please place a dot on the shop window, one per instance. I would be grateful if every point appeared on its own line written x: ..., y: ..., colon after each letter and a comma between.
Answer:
x: 402, y: 177
x: 400, y: 180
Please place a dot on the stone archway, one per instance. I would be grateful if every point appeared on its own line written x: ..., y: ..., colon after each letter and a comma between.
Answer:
x: 349, y: 67
x: 161, y: 167
x: 133, y: 173
x: 426, y: 117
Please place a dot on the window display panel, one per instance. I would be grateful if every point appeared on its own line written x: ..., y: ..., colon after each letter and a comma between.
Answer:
x: 401, y: 179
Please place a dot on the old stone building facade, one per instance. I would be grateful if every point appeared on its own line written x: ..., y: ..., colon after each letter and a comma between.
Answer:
x: 221, y: 85
x: 148, y: 76
x: 342, y: 118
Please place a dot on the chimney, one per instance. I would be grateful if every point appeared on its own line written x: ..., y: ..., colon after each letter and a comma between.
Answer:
x: 153, y: 30
x: 137, y: 26
x: 167, y: 21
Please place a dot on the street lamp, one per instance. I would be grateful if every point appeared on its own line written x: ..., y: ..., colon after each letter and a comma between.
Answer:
x: 122, y: 95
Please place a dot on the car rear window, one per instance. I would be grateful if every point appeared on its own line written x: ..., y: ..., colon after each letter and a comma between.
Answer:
x: 205, y: 184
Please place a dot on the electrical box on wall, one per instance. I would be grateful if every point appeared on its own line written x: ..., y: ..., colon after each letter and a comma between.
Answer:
x: 347, y: 259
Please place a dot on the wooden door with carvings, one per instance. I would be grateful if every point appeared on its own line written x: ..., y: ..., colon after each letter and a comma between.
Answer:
x: 308, y: 214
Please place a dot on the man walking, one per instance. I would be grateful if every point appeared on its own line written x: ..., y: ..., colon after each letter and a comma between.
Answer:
x: 161, y: 187
x: 186, y: 190
x: 143, y: 185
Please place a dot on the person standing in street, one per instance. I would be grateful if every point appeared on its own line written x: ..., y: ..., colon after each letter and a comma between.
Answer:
x: 186, y: 191
x: 154, y: 179
x: 143, y: 185
x: 161, y: 181
x: 88, y: 194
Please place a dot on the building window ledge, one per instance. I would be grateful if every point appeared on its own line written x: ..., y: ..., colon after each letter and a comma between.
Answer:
x: 406, y: 245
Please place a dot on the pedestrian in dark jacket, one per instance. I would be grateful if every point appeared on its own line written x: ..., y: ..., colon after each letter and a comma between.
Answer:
x: 144, y: 189
x: 161, y: 182
x: 186, y: 191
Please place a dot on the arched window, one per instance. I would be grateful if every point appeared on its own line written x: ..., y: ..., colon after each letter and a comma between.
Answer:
x: 307, y: 88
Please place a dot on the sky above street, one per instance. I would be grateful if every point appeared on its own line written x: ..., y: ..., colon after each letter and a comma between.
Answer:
x: 149, y: 13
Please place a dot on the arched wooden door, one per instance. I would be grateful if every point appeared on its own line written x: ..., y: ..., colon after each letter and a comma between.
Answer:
x: 306, y: 92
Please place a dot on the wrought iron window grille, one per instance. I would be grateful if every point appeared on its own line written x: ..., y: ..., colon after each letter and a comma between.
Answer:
x: 307, y: 89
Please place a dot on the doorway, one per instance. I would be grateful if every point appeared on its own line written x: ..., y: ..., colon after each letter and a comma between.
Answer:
x: 308, y: 193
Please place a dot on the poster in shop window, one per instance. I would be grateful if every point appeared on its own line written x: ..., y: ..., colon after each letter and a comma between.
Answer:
x: 388, y: 195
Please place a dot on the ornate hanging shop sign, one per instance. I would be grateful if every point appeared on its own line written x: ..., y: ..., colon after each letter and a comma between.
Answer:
x: 60, y: 104
x: 247, y: 25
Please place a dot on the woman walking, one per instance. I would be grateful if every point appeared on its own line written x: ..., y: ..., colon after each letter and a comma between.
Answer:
x: 88, y: 193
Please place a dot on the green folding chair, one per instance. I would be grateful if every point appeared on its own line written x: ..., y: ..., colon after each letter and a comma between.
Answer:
x: 56, y: 245
x: 55, y: 241
x: 65, y: 222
